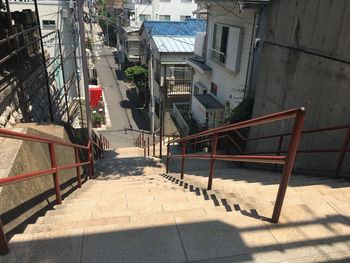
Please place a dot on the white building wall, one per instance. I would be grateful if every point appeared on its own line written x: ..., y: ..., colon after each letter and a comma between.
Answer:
x: 174, y: 8
x: 231, y: 85
x: 198, y: 111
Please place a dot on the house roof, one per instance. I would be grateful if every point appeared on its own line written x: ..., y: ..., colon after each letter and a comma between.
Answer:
x: 188, y: 27
x: 208, y: 101
x: 170, y: 44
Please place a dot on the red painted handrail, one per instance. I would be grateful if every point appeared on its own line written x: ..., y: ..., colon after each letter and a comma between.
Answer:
x: 54, y: 168
x: 287, y: 161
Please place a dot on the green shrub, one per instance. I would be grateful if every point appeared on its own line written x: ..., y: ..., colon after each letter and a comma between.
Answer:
x: 137, y: 74
x: 97, y: 118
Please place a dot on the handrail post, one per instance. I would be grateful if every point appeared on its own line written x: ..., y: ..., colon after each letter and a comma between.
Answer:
x: 144, y: 148
x: 147, y: 146
x: 90, y: 157
x: 288, y: 166
x: 342, y: 154
x: 154, y: 144
x: 183, y: 152
x: 212, y: 160
x: 4, y: 248
x: 160, y: 142
x: 56, y: 179
x: 167, y: 157
x: 77, y: 161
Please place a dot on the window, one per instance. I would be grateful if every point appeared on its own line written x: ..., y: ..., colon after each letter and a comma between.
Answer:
x: 49, y: 23
x: 214, y: 89
x: 184, y: 18
x: 218, y: 52
x: 164, y: 18
x: 226, y: 46
x: 144, y: 17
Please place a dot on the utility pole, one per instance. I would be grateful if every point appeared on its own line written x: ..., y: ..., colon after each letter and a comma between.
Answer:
x: 84, y: 66
x: 107, y: 33
x: 152, y: 96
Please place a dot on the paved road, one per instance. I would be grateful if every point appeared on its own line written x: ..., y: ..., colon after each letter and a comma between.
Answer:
x: 125, y: 110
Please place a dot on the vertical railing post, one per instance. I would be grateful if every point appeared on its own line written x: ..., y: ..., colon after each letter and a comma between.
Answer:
x: 148, y: 146
x: 77, y: 161
x: 143, y: 138
x: 144, y: 148
x: 183, y: 152
x: 167, y: 157
x: 160, y: 142
x: 288, y: 166
x: 343, y: 152
x: 91, y: 165
x: 56, y: 179
x: 154, y: 144
x: 4, y: 249
x: 212, y: 160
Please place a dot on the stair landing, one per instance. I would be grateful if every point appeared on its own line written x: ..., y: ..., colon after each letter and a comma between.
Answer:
x: 132, y: 212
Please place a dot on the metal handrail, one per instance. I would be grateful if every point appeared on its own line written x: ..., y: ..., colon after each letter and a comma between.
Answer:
x: 145, y: 144
x: 287, y: 161
x: 53, y: 170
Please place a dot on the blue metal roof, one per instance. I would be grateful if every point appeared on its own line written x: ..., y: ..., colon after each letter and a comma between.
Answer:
x: 174, y: 44
x: 188, y: 27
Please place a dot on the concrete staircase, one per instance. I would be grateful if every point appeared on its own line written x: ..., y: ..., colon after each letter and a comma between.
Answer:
x: 133, y: 212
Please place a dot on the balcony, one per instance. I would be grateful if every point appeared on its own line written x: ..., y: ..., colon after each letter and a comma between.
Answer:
x: 176, y: 87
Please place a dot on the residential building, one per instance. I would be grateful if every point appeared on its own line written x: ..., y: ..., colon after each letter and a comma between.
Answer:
x: 162, y: 10
x: 129, y: 45
x: 165, y: 45
x: 223, y: 60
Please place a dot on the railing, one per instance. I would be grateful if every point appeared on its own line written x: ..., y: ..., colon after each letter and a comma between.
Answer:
x: 286, y: 160
x: 100, y: 143
x: 54, y: 170
x: 144, y: 143
x: 281, y: 137
x: 178, y: 86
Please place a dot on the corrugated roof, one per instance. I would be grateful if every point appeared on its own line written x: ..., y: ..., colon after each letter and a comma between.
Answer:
x: 170, y: 44
x: 188, y: 27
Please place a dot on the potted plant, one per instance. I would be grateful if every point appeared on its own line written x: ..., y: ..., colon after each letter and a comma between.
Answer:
x: 97, y: 119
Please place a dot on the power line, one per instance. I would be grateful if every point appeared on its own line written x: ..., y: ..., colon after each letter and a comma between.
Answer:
x: 232, y: 13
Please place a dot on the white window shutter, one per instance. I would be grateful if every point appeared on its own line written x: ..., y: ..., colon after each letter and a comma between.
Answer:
x: 233, y: 52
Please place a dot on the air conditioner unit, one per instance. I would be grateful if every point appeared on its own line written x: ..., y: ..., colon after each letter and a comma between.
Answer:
x: 199, y: 88
x: 199, y: 44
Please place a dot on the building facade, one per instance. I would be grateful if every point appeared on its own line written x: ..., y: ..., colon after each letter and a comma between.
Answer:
x: 223, y: 60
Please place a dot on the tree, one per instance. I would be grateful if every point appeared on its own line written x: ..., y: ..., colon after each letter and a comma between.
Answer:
x: 137, y: 74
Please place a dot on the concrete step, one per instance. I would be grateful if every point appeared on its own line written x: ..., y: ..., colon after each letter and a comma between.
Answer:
x: 142, y: 220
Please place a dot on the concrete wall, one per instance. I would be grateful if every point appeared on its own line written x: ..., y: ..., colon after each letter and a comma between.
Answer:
x: 306, y: 64
x: 24, y: 202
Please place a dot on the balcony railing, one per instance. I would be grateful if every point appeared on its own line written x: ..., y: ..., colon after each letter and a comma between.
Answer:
x: 178, y: 86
